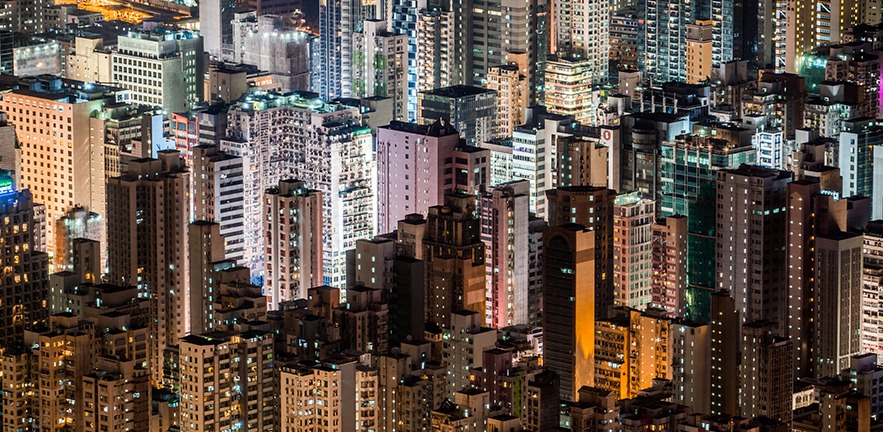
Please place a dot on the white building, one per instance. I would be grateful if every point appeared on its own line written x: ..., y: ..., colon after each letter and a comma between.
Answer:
x: 770, y: 147
x: 581, y: 30
x: 163, y: 68
x: 323, y: 144
x: 217, y: 196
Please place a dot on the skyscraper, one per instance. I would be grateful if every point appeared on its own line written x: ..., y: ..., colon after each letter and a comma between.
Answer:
x: 297, y: 134
x: 512, y: 96
x: 838, y: 310
x: 569, y: 305
x: 379, y: 69
x: 217, y: 196
x: 633, y: 219
x: 410, y: 169
x: 568, y: 87
x: 147, y: 244
x: 670, y: 265
x: 581, y: 30
x: 872, y: 280
x: 471, y: 110
x: 26, y: 280
x: 766, y: 373
x: 78, y: 151
x: 666, y: 40
x: 293, y: 242
x: 455, y: 260
x: 216, y: 26
x: 504, y: 211
x: 751, y: 205
x: 508, y: 32
x: 592, y: 207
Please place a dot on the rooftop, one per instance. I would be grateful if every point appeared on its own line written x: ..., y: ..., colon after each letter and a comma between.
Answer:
x: 458, y: 91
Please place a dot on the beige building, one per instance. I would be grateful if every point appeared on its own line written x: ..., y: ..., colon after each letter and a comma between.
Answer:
x: 569, y: 87
x: 89, y: 61
x: 293, y: 241
x: 670, y: 265
x: 633, y: 219
x: 699, y: 46
x: 227, y: 380
x: 512, y: 96
x: 62, y: 155
x: 329, y: 397
x: 632, y: 349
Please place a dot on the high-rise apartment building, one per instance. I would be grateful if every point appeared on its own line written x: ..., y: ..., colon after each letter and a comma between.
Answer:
x: 155, y: 194
x: 666, y: 38
x: 583, y: 158
x: 338, y: 21
x: 217, y: 196
x: 305, y: 401
x: 206, y: 261
x: 838, y: 301
x: 592, y: 207
x: 471, y: 110
x: 379, y: 66
x: 216, y: 27
x: 504, y: 211
x: 455, y: 260
x: 751, y: 205
x: 410, y: 169
x: 568, y: 87
x: 632, y: 349
x: 766, y: 373
x: 858, y: 139
x: 227, y: 382
x: 855, y: 63
x: 569, y: 305
x: 465, y: 341
x: 512, y: 96
x: 693, y: 159
x: 26, y: 280
x: 669, y: 283
x: 434, y: 59
x: 292, y: 242
x: 691, y: 360
x: 508, y: 32
x: 322, y: 144
x: 55, y: 135
x: 633, y: 218
x: 814, y: 214
x: 580, y: 29
x: 724, y: 353
x: 872, y: 281
x: 26, y: 16
x: 162, y: 68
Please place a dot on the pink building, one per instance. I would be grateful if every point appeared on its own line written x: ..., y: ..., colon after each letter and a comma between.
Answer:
x: 411, y: 160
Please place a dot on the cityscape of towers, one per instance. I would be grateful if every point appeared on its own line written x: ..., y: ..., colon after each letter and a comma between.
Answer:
x: 594, y: 216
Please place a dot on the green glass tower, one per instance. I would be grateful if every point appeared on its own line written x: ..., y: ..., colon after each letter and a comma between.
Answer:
x: 689, y: 172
